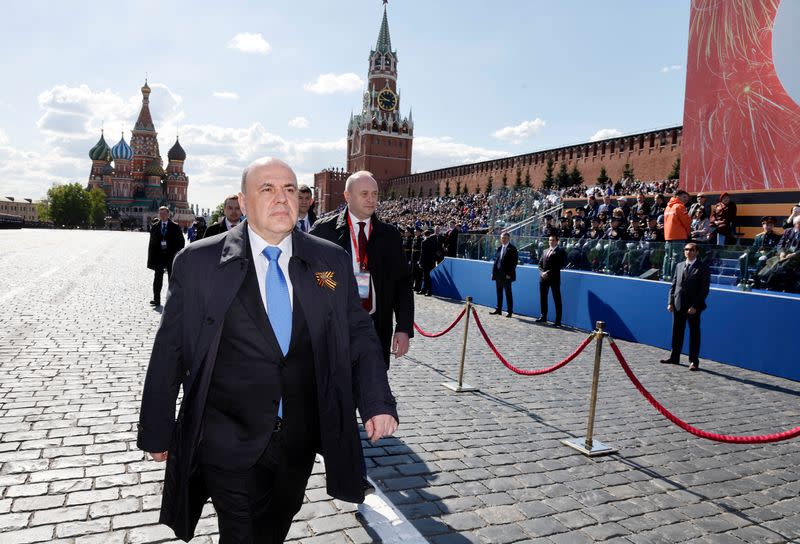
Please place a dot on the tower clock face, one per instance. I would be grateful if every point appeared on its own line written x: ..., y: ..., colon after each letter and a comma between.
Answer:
x: 387, y: 100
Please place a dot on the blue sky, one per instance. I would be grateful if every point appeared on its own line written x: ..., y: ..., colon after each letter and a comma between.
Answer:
x: 241, y: 79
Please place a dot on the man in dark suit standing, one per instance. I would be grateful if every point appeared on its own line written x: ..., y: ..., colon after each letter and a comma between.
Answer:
x: 687, y: 300
x: 504, y: 273
x: 305, y: 216
x: 430, y: 250
x: 378, y: 260
x: 451, y: 240
x: 166, y: 240
x: 550, y: 265
x: 416, y: 254
x: 232, y: 214
x: 264, y: 329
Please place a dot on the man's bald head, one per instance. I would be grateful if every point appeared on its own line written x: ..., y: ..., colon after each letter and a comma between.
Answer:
x: 361, y: 194
x: 272, y: 163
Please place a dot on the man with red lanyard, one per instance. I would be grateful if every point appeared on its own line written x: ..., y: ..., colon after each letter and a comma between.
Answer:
x: 379, y: 264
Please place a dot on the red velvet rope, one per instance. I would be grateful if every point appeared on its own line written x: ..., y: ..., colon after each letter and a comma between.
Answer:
x: 785, y: 435
x: 512, y: 368
x: 440, y: 333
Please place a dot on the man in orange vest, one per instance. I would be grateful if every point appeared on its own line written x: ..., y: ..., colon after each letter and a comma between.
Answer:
x: 677, y: 224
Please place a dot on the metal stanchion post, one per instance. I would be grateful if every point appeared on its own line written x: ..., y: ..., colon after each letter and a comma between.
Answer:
x: 460, y: 386
x: 589, y: 446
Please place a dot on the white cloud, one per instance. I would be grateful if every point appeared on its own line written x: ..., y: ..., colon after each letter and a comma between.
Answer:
x: 333, y: 83
x: 438, y: 152
x: 250, y: 43
x: 3, y: 137
x: 520, y: 132
x: 226, y: 95
x: 671, y: 68
x: 299, y: 122
x: 604, y: 133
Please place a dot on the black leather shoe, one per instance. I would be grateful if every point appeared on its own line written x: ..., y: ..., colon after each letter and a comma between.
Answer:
x: 668, y: 362
x: 694, y: 366
x: 155, y: 303
x: 509, y: 314
x: 496, y: 312
x: 557, y: 324
x: 540, y: 320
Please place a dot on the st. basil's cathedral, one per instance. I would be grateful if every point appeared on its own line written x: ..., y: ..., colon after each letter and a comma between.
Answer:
x: 136, y: 185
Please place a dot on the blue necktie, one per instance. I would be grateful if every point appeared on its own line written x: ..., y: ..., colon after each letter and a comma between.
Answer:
x: 279, y: 307
x: 163, y: 229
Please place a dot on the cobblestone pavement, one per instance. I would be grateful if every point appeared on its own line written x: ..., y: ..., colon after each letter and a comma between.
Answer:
x: 75, y: 335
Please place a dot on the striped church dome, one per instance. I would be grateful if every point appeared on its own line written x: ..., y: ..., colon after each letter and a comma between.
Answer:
x: 122, y: 151
x: 100, y: 150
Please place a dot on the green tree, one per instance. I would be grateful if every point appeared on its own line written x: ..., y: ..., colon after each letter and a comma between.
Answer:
x: 562, y: 177
x: 430, y: 192
x: 420, y: 194
x: 392, y: 195
x: 575, y: 176
x: 518, y: 180
x: 218, y: 212
x: 458, y: 188
x: 438, y: 190
x: 43, y: 208
x: 69, y: 205
x: 97, y: 207
x: 447, y: 188
x: 627, y: 172
x: 505, y: 181
x: 675, y: 173
x: 489, y: 185
x: 603, y: 177
x: 408, y: 193
x: 528, y: 178
x: 549, y: 181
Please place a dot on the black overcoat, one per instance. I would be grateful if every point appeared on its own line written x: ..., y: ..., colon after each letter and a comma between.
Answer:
x: 388, y: 267
x: 347, y: 357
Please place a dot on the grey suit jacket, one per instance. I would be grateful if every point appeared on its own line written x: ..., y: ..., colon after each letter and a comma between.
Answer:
x: 690, y: 290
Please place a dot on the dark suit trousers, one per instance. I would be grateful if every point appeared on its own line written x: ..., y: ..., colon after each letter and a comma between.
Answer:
x: 544, y: 287
x: 503, y: 284
x: 256, y: 506
x: 158, y: 278
x: 426, y: 282
x: 679, y: 320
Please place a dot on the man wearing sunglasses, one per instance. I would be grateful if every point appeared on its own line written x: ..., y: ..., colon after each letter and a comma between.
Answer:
x: 687, y: 300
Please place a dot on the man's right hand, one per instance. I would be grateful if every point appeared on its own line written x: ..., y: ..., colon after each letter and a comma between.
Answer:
x: 670, y: 307
x: 159, y: 457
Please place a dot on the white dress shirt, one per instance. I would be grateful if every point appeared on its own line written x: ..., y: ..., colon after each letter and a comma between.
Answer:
x: 257, y: 245
x: 354, y: 251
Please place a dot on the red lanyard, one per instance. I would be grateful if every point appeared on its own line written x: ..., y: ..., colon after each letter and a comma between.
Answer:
x: 361, y: 266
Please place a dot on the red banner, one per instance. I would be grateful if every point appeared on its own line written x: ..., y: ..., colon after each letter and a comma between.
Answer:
x: 742, y: 113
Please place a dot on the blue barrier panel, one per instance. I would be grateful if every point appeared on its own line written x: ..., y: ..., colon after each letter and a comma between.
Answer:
x: 749, y: 330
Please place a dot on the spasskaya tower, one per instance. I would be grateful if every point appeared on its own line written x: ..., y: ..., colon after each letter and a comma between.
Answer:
x: 379, y: 138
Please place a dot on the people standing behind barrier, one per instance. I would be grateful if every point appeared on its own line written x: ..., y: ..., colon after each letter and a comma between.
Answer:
x: 782, y: 272
x: 451, y: 240
x: 416, y: 255
x: 677, y: 224
x: 376, y: 249
x: 232, y: 214
x: 702, y: 202
x: 427, y: 260
x: 622, y: 204
x: 701, y: 228
x: 578, y: 229
x: 550, y: 265
x: 755, y: 258
x: 549, y: 227
x: 408, y: 244
x: 504, y: 273
x: 616, y: 231
x: 166, y: 240
x: 305, y: 213
x: 723, y: 221
x: 686, y: 301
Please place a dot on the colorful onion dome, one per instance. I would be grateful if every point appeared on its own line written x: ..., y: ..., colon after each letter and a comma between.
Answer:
x: 100, y: 150
x: 122, y: 151
x: 154, y: 169
x: 176, y: 152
